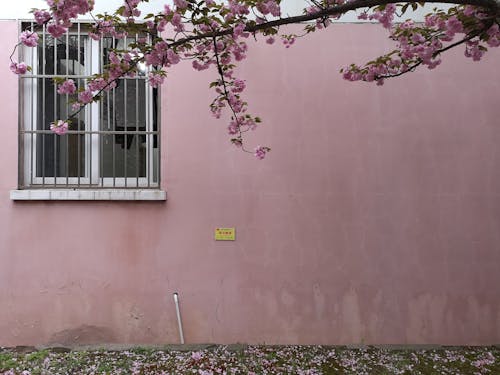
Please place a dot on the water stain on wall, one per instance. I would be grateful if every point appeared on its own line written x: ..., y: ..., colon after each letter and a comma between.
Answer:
x: 83, y: 335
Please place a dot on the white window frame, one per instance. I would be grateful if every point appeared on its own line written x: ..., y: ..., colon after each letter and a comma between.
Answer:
x: 91, y: 178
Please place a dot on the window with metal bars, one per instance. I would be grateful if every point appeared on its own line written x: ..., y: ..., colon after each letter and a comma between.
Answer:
x: 112, y: 143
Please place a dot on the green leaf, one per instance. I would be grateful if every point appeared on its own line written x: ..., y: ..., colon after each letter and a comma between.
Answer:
x: 120, y: 10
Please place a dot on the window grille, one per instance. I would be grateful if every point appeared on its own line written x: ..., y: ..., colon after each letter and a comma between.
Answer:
x: 113, y: 143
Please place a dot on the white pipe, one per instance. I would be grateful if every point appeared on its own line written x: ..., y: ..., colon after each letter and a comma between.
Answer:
x: 179, y: 320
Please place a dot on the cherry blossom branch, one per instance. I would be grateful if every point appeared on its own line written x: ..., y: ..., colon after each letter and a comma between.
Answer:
x: 218, y: 31
x: 226, y: 95
x: 110, y: 84
x: 453, y: 45
x: 492, y: 5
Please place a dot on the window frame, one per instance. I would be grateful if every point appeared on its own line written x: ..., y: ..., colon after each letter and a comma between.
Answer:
x: 93, y: 135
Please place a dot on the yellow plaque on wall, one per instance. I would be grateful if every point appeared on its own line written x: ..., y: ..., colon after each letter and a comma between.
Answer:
x: 225, y: 234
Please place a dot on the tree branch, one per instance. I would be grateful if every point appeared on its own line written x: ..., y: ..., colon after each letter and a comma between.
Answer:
x: 492, y: 5
x: 440, y: 51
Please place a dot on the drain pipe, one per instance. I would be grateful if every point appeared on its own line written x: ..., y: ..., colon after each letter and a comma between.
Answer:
x: 179, y: 320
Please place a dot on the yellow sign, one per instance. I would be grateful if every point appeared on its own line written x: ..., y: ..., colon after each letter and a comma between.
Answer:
x: 225, y: 234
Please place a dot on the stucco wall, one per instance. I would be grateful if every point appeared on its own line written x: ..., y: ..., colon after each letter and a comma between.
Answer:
x: 375, y: 219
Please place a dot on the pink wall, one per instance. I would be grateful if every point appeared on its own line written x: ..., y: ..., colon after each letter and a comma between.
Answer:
x: 375, y: 219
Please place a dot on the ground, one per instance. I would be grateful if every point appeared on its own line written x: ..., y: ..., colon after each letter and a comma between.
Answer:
x: 242, y: 359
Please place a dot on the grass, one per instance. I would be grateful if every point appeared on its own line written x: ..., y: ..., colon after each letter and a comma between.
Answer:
x: 300, y: 360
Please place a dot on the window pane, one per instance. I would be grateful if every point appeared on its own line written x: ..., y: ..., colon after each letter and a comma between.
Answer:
x: 59, y: 156
x: 124, y: 111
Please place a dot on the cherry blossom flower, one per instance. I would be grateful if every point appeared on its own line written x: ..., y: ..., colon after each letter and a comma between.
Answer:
x: 67, y: 87
x: 29, y: 38
x: 85, y: 97
x: 56, y: 30
x: 196, y: 356
x: 155, y: 79
x: 260, y: 152
x: 41, y: 16
x: 60, y: 127
x: 18, y: 68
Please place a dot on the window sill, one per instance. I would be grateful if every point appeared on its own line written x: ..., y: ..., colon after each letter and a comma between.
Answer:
x: 88, y: 195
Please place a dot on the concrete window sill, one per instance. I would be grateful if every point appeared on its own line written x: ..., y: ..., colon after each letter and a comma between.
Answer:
x: 88, y: 195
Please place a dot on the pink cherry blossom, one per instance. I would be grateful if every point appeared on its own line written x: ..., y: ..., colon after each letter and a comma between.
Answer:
x: 97, y: 84
x: 260, y: 152
x: 473, y: 50
x: 18, y: 68
x: 494, y: 36
x: 453, y: 25
x: 177, y: 23
x: 85, y: 97
x: 155, y: 79
x: 60, y: 127
x: 385, y: 16
x: 130, y: 8
x: 29, y: 38
x: 196, y: 355
x: 56, y: 30
x: 67, y: 87
x: 41, y: 16
x: 172, y: 57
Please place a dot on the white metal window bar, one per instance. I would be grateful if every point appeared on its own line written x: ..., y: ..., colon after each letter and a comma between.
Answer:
x: 114, y: 143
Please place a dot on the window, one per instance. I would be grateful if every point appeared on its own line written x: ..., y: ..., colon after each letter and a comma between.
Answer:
x: 113, y: 143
